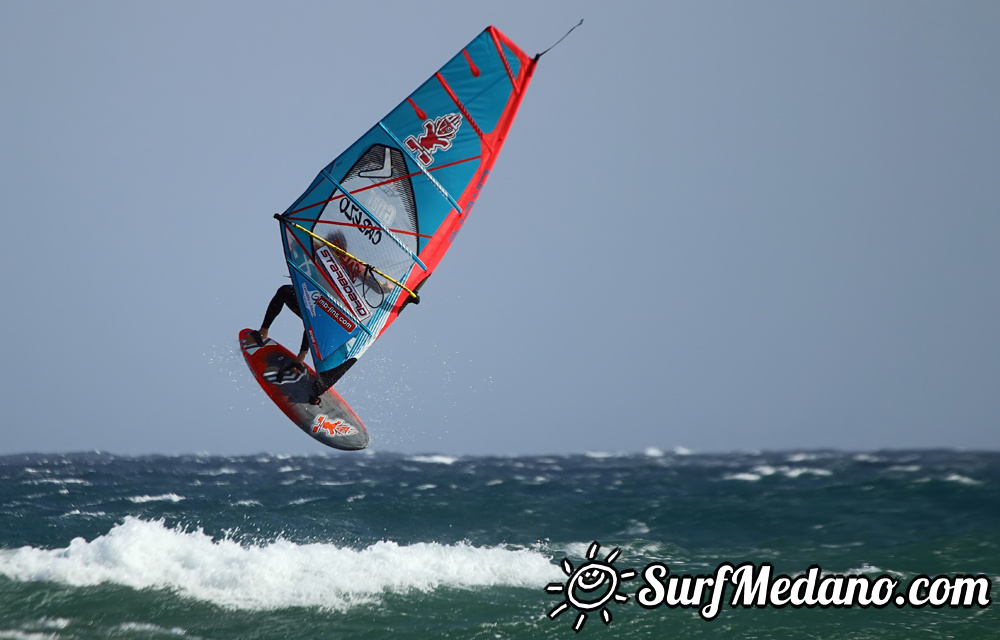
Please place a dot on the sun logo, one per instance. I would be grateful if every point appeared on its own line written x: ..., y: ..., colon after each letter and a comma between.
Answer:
x: 590, y: 586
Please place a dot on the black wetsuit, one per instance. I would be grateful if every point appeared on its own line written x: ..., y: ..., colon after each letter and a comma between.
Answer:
x: 285, y: 296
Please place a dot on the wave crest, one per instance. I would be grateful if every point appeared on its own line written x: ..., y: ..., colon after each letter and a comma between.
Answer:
x: 147, y: 554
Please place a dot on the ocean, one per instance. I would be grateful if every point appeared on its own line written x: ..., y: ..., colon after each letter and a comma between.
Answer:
x: 379, y: 545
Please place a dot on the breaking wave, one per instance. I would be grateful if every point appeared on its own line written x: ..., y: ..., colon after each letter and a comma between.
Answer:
x: 144, y: 554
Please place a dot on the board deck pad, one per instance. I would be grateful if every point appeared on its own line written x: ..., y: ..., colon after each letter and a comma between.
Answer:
x: 331, y: 422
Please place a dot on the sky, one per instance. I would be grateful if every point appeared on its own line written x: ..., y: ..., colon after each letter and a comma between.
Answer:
x: 714, y: 226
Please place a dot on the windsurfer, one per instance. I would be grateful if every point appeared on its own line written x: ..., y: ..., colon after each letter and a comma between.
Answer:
x: 285, y: 297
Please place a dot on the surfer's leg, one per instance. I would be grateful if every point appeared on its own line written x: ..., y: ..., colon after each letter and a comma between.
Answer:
x: 288, y: 297
x: 284, y: 296
x: 326, y: 379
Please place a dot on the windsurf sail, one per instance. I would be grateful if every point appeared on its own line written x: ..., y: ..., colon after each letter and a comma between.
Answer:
x: 376, y: 221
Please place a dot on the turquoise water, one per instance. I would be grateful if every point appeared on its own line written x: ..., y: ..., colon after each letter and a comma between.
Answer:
x: 379, y: 545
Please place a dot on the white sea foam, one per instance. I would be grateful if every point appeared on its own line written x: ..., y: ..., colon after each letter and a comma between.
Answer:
x: 51, y: 623
x: 802, y: 457
x: 652, y: 452
x: 578, y: 549
x: 870, y: 570
x: 954, y: 477
x: 224, y: 471
x: 11, y: 634
x: 147, y: 628
x: 867, y: 457
x: 601, y: 455
x: 636, y: 528
x: 166, y: 497
x: 763, y: 470
x: 746, y: 477
x: 436, y: 459
x: 58, y: 481
x: 795, y: 472
x: 33, y: 630
x: 145, y: 554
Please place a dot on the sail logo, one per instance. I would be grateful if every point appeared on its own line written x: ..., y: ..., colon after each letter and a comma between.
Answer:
x: 437, y: 136
x: 335, y: 313
x: 385, y: 212
x: 310, y: 298
x: 333, y: 427
x: 343, y: 283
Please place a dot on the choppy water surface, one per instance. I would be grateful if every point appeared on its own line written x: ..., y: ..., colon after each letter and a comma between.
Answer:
x: 368, y: 545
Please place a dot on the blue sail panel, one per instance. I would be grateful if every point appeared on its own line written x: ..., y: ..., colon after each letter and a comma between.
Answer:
x: 480, y: 81
x: 330, y: 330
